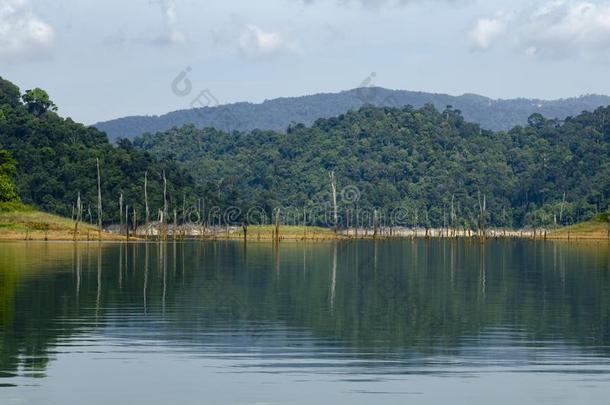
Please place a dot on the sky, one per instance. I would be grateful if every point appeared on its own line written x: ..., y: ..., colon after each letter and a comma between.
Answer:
x: 101, y: 60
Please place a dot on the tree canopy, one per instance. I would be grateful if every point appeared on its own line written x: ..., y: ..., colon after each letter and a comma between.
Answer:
x: 38, y: 102
x: 418, y: 161
x: 8, y: 191
x: 431, y: 167
x: 56, y: 159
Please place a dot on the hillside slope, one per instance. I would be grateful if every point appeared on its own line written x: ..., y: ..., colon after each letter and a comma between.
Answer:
x: 426, y: 166
x: 27, y: 223
x: 278, y: 113
x: 57, y: 159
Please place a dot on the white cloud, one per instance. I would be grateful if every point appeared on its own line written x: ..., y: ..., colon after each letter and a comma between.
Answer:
x: 252, y: 41
x: 171, y: 34
x: 487, y: 30
x: 556, y: 29
x: 255, y: 42
x: 22, y: 33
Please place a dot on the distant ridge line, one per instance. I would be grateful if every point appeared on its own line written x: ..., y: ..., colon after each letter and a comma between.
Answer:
x: 277, y: 114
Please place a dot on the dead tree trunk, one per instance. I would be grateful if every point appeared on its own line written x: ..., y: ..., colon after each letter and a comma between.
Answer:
x: 163, y: 226
x: 277, y: 225
x: 416, y: 222
x: 563, y: 202
x: 427, y: 225
x: 160, y: 226
x: 347, y: 214
x: 147, y: 219
x: 183, y: 230
x: 444, y: 230
x: 333, y: 185
x: 357, y: 222
x: 244, y: 226
x: 375, y: 224
x: 452, y: 217
x: 203, y: 216
x: 174, y: 231
x: 78, y: 215
x: 482, y: 209
x: 121, y: 214
x: 127, y: 221
x: 99, y: 200
x: 304, y: 223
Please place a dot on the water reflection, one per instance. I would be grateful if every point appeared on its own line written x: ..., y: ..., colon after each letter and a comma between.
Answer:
x: 386, y: 307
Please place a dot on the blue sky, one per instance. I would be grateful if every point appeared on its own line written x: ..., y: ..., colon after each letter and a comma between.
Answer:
x: 106, y: 59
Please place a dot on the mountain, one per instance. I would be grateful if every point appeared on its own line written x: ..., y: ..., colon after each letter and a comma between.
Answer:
x: 410, y: 166
x: 278, y: 114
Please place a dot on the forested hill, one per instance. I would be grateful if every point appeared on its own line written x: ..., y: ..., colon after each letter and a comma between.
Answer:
x: 413, y: 161
x: 277, y: 114
x: 56, y: 159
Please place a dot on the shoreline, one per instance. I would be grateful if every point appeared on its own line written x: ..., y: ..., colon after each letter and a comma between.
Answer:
x: 53, y: 236
x: 38, y: 226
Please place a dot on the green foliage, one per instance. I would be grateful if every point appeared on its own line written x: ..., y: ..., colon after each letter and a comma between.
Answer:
x: 13, y: 206
x: 38, y: 102
x: 603, y: 217
x: 418, y: 162
x: 412, y: 160
x: 9, y: 93
x: 56, y: 159
x: 8, y: 191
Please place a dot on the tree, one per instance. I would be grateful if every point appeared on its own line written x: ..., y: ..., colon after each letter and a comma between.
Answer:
x: 38, y: 102
x: 536, y: 120
x: 9, y: 93
x: 8, y: 191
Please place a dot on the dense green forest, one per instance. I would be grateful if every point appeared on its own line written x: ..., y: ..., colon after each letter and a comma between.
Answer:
x: 55, y: 159
x: 411, y: 164
x: 278, y: 114
x: 421, y: 167
x: 8, y: 190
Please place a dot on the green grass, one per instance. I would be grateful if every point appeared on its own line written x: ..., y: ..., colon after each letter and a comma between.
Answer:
x: 597, y: 228
x: 19, y: 221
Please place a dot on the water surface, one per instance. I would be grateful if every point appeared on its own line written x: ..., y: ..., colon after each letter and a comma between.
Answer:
x: 426, y: 322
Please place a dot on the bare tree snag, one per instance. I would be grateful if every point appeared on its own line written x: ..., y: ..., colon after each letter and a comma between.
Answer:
x: 452, y: 217
x: 147, y: 219
x: 563, y: 202
x: 164, y: 206
x: 482, y: 209
x: 375, y: 224
x: 121, y: 213
x: 333, y: 185
x: 78, y: 215
x: 175, y: 230
x: 277, y: 225
x: 99, y: 200
x: 127, y: 221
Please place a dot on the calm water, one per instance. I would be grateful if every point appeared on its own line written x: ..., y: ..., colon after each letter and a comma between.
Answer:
x: 439, y: 322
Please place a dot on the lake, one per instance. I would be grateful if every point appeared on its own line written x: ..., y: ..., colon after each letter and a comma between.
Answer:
x: 351, y: 322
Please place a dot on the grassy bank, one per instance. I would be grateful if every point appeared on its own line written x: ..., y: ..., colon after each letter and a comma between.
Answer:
x: 596, y: 229
x: 20, y: 222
